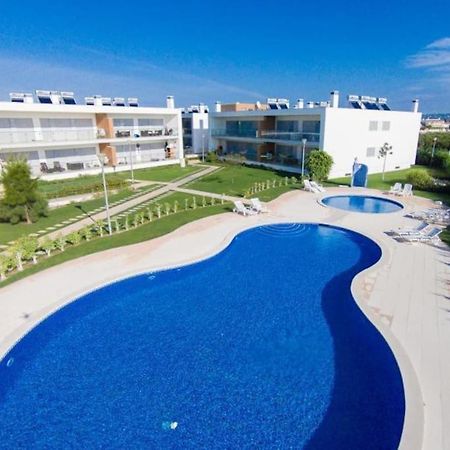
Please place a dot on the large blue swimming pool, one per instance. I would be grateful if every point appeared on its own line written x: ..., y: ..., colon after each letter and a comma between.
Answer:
x: 260, y: 346
x: 362, y: 203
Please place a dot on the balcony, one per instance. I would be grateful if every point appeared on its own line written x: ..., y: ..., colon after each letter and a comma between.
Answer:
x: 127, y: 132
x: 30, y: 135
x: 295, y: 138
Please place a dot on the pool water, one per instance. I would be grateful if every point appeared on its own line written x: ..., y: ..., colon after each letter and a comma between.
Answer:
x: 260, y: 346
x: 362, y: 203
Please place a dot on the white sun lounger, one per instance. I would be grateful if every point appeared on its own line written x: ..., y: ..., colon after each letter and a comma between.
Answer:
x: 309, y: 187
x: 396, y: 189
x: 240, y: 208
x: 317, y: 187
x: 412, y: 230
x: 257, y: 206
x: 406, y: 191
x: 430, y: 236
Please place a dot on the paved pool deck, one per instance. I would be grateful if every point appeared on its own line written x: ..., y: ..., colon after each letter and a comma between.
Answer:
x: 406, y: 294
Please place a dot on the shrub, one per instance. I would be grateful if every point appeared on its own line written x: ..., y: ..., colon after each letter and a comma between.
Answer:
x: 212, y: 157
x: 21, y: 201
x: 420, y: 179
x: 319, y: 164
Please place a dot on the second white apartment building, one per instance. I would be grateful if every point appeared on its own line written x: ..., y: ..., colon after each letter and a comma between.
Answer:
x: 276, y: 133
x: 61, y: 138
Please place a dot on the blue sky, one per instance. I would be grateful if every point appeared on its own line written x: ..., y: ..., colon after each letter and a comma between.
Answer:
x: 231, y: 50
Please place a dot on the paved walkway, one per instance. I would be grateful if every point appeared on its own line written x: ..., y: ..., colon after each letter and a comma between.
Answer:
x: 124, y: 206
x: 406, y: 294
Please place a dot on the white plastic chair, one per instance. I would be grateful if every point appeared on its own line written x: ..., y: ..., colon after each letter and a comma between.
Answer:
x: 257, y: 206
x: 240, y: 208
x: 397, y: 188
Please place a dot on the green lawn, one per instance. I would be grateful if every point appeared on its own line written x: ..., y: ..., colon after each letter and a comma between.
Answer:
x: 159, y: 174
x: 10, y: 232
x: 235, y: 180
x: 143, y: 233
x: 375, y: 182
x: 445, y: 236
x: 164, y: 173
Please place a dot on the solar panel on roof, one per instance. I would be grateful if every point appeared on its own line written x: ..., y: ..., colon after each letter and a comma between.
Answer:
x: 370, y: 105
x: 385, y: 107
x: 283, y: 106
x: 69, y: 101
x: 273, y: 106
x: 356, y: 105
x: 44, y: 99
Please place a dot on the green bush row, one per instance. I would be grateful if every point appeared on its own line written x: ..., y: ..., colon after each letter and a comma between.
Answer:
x: 29, y: 249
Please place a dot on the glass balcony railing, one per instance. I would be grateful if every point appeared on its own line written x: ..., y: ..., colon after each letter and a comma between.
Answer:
x: 268, y: 135
x: 290, y: 136
x: 43, y: 135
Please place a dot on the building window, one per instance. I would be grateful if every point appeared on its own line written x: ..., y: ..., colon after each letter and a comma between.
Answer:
x: 288, y: 126
x: 373, y: 125
x: 311, y: 126
x: 386, y: 126
x: 370, y: 152
x: 123, y: 122
x: 16, y: 123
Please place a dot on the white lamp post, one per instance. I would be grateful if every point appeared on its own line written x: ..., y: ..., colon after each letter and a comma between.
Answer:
x: 433, y: 150
x: 130, y: 153
x: 102, y: 158
x: 303, y: 156
x: 383, y: 152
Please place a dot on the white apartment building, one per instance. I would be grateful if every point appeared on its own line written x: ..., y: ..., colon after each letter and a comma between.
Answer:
x: 275, y: 134
x: 60, y: 138
x: 195, y: 120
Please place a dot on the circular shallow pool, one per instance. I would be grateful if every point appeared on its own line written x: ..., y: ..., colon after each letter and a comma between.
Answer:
x: 260, y: 346
x: 362, y: 203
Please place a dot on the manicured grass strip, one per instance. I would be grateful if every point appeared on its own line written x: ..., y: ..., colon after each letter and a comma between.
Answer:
x: 235, y: 180
x: 148, y: 231
x: 9, y: 232
x: 375, y: 181
x: 165, y: 173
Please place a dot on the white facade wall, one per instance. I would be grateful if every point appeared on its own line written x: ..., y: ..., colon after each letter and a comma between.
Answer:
x: 350, y: 133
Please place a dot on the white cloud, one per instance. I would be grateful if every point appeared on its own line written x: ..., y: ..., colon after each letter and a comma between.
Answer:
x: 440, y: 43
x: 433, y: 66
x: 434, y: 55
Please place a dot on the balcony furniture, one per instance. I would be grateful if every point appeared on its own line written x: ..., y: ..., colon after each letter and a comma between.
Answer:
x: 123, y: 133
x: 44, y: 167
x: 57, y: 167
x: 75, y: 166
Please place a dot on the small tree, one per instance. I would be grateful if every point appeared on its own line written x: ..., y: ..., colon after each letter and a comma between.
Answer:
x: 383, y: 153
x: 149, y: 214
x: 175, y: 206
x: 116, y: 224
x: 60, y: 243
x: 136, y: 220
x: 86, y: 232
x: 6, y: 264
x: 203, y: 201
x: 319, y: 164
x: 158, y: 211
x: 74, y: 238
x: 186, y: 204
x: 30, y: 246
x: 194, y: 203
x: 47, y: 245
x: 100, y: 227
x: 21, y: 200
x: 18, y: 252
x: 167, y: 208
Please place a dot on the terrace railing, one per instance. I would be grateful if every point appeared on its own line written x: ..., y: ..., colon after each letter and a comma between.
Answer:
x: 268, y: 135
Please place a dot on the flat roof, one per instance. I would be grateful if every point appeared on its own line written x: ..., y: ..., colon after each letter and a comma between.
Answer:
x: 84, y: 109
